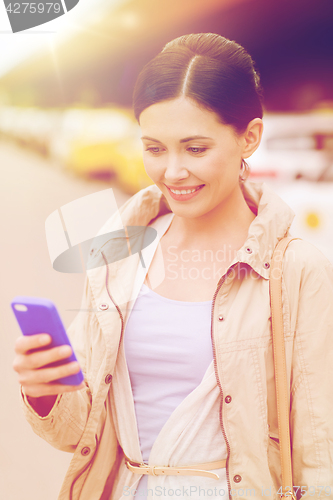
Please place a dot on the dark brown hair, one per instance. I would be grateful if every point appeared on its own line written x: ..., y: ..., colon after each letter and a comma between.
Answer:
x: 216, y: 72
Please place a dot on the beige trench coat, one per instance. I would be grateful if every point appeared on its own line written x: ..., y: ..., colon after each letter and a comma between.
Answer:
x: 81, y: 422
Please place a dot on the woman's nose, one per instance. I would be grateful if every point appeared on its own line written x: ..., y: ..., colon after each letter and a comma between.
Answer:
x: 175, y: 169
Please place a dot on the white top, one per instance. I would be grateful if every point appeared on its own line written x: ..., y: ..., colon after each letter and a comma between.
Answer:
x: 168, y: 350
x: 184, y: 427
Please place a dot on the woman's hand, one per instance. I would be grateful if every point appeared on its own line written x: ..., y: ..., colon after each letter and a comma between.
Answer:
x: 36, y: 380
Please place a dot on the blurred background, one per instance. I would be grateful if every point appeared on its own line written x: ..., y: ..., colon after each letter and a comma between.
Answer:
x: 67, y: 130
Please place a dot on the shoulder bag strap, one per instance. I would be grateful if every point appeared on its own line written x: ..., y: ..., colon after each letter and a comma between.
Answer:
x: 282, y: 391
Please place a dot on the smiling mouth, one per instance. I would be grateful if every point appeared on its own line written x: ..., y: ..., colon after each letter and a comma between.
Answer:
x: 185, y: 191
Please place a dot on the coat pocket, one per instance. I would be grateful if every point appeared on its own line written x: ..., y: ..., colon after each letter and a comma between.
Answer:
x: 273, y: 455
x: 274, y: 440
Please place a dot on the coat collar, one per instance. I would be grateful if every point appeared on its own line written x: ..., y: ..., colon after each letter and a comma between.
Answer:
x: 272, y: 223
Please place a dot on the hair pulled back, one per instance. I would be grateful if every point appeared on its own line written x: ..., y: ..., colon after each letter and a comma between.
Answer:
x: 216, y: 72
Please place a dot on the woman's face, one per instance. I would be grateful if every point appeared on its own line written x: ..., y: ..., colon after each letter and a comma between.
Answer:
x: 185, y: 148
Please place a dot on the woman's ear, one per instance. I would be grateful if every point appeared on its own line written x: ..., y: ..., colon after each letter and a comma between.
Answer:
x: 252, y: 137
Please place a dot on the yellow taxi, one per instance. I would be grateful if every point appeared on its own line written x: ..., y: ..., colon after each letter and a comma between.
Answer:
x: 102, y: 144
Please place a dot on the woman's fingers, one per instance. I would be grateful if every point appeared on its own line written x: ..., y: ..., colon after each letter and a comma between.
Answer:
x: 47, y: 375
x: 31, y: 363
x: 38, y: 359
x: 26, y: 343
x: 28, y: 358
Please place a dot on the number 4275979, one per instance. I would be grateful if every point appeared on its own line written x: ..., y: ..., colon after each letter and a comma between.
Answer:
x: 32, y: 8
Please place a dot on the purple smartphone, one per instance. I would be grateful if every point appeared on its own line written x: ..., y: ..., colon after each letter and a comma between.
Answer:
x: 38, y: 315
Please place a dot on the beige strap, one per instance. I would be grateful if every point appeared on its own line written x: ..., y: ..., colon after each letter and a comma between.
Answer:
x: 184, y: 470
x: 282, y: 392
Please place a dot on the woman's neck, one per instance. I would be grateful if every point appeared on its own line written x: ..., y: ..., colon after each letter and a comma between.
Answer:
x: 227, y: 223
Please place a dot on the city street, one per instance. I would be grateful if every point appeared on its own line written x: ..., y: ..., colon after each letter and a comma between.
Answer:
x: 31, y: 188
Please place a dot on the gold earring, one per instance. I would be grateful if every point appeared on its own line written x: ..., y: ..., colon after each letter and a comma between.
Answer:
x: 244, y: 171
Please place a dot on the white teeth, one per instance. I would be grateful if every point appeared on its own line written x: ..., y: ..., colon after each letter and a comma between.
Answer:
x: 183, y: 191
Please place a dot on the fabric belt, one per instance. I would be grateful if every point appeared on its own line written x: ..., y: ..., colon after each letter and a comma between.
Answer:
x: 184, y: 470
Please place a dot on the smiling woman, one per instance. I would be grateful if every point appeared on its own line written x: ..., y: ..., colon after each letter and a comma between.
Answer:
x: 194, y: 149
x: 200, y: 118
x: 180, y: 395
x: 200, y: 99
x: 195, y: 161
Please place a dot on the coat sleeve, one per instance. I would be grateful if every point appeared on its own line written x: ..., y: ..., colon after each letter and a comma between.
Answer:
x: 64, y: 425
x: 311, y: 410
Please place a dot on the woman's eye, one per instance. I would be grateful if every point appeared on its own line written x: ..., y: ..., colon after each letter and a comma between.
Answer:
x: 154, y: 150
x: 197, y: 150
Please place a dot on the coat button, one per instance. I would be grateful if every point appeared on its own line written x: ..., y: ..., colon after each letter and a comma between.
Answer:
x: 103, y: 307
x: 228, y: 399
x: 248, y: 250
x: 85, y: 451
x: 221, y: 318
x: 108, y: 379
x: 237, y: 478
x: 267, y: 265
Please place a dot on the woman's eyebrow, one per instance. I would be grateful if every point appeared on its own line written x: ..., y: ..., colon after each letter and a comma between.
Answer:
x: 193, y: 137
x: 150, y: 139
x: 187, y: 139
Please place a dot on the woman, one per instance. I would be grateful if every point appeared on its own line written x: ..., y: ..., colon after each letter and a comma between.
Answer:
x: 181, y: 375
